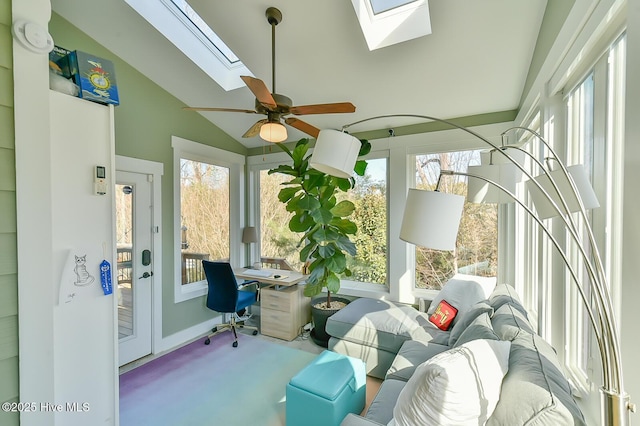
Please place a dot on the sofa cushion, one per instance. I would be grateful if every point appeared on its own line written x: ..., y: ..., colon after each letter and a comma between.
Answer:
x: 508, y: 321
x: 381, y: 408
x: 380, y: 324
x: 411, y: 355
x: 458, y: 387
x: 461, y: 292
x: 469, y: 316
x: 534, y: 391
x: 480, y: 328
x: 503, y: 294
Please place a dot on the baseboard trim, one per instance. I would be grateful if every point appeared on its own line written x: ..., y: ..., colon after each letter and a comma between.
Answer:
x: 180, y: 338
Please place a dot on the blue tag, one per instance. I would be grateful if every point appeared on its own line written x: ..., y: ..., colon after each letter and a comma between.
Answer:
x: 105, y: 277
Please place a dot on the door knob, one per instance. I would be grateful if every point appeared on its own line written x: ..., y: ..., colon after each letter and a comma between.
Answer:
x: 146, y: 275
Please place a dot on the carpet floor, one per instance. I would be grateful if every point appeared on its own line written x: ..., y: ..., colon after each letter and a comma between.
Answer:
x: 217, y: 384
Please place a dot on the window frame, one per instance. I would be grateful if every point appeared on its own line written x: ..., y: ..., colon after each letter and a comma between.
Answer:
x: 194, y: 151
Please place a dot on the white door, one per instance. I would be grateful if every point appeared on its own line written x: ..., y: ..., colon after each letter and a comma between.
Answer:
x: 134, y: 269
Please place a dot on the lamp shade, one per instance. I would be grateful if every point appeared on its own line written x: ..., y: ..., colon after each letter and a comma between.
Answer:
x: 431, y: 219
x: 273, y: 132
x: 335, y: 153
x: 249, y: 235
x: 579, y: 176
x: 481, y: 191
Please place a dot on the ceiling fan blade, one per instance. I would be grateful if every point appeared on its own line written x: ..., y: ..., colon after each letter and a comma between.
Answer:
x: 255, y: 129
x: 259, y: 89
x: 249, y: 111
x: 335, y: 108
x: 302, y: 126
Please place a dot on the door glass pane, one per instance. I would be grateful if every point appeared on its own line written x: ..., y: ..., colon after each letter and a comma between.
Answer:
x: 124, y: 265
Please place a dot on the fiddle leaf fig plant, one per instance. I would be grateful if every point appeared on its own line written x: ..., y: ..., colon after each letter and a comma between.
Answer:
x: 312, y: 198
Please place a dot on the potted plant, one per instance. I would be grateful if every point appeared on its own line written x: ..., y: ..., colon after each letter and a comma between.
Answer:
x: 323, y: 220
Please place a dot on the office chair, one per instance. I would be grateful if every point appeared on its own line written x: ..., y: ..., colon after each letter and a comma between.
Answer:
x: 226, y: 297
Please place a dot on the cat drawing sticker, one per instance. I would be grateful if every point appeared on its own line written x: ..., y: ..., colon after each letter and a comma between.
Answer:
x: 83, y: 277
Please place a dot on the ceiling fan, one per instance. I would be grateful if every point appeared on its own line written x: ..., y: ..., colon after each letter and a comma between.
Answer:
x: 276, y: 106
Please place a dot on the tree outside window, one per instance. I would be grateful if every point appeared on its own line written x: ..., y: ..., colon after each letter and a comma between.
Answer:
x: 476, y: 250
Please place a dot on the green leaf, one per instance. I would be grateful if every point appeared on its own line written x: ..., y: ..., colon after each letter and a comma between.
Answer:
x: 344, y: 184
x: 284, y: 169
x: 317, y: 275
x: 314, y: 180
x: 298, y: 154
x: 308, y: 203
x: 292, y: 205
x: 360, y: 167
x: 322, y: 216
x: 312, y: 289
x: 333, y: 283
x: 337, y: 263
x: 345, y: 244
x: 284, y: 148
x: 300, y: 222
x: 343, y: 208
x: 347, y: 272
x: 326, y: 251
x: 286, y: 194
x: 306, y: 251
x: 344, y: 225
x: 365, y: 147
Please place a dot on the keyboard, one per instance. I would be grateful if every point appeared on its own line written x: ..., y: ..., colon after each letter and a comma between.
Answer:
x: 257, y: 273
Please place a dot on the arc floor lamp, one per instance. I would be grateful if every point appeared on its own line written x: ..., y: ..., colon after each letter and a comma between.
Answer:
x: 557, y: 192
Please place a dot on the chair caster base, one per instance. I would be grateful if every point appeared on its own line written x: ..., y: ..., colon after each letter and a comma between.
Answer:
x: 255, y: 332
x: 235, y: 344
x: 206, y: 342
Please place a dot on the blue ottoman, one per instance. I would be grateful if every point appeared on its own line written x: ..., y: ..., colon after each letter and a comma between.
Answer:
x: 325, y: 391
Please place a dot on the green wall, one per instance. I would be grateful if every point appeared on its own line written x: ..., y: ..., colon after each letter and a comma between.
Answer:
x: 9, y: 386
x: 145, y: 120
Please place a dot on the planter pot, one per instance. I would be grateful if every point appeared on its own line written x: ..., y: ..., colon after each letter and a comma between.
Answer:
x: 319, y: 318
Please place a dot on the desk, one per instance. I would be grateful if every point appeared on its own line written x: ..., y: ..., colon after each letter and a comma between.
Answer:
x: 283, y: 307
x: 287, y: 278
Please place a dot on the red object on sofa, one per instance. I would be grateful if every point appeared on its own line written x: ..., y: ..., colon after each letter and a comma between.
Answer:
x: 443, y: 316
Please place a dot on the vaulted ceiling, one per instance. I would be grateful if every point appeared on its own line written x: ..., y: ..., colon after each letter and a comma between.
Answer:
x: 475, y: 61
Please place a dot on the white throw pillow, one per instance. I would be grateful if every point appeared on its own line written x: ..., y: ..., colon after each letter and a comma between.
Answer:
x: 458, y: 387
x: 462, y: 292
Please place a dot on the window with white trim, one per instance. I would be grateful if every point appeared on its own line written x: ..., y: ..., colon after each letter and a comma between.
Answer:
x: 207, y: 217
x: 477, y: 245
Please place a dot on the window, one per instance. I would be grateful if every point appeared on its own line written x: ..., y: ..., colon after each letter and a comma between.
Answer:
x: 370, y: 198
x: 595, y: 111
x: 207, y: 218
x: 476, y: 251
x: 276, y: 240
x: 204, y: 216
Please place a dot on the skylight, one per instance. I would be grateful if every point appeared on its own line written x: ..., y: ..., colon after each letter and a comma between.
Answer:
x: 381, y: 6
x: 387, y: 22
x: 183, y: 27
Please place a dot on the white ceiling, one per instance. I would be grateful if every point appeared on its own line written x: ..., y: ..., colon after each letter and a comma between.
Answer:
x: 475, y: 61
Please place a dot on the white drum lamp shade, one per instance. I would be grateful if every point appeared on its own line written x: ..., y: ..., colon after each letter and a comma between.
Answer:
x: 335, y: 153
x: 541, y: 202
x: 431, y: 219
x: 481, y: 191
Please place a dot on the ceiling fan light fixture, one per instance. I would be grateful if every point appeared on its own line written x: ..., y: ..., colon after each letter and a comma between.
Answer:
x: 273, y: 132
